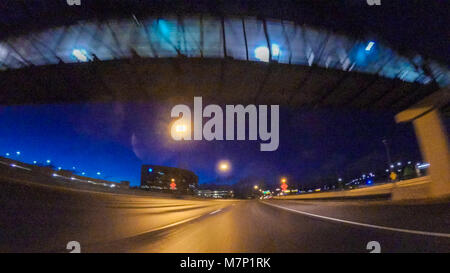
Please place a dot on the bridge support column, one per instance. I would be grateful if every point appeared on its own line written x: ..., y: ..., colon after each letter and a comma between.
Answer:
x: 433, y: 140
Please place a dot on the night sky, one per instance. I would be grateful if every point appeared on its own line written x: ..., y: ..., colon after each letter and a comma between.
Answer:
x: 117, y: 138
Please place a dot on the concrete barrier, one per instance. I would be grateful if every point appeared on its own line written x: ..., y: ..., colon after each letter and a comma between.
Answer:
x: 417, y: 188
x: 54, y: 215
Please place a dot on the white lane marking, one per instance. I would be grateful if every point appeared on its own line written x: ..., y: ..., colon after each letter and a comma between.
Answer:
x: 174, y: 224
x: 166, y: 226
x: 446, y: 235
x: 216, y: 211
x: 163, y: 227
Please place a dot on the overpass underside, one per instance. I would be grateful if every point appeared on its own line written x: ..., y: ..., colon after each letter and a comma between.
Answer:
x: 220, y: 81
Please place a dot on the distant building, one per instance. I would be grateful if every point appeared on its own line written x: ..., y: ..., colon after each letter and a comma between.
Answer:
x: 168, y: 179
x: 215, y: 193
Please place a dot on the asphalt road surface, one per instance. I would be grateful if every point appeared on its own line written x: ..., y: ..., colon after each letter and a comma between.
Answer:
x: 45, y: 218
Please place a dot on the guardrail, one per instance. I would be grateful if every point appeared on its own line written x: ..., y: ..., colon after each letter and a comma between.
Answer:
x: 416, y: 188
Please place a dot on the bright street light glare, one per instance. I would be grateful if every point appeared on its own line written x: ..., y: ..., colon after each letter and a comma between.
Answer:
x: 370, y: 45
x: 80, y: 55
x: 262, y: 52
x: 181, y: 128
x: 223, y: 166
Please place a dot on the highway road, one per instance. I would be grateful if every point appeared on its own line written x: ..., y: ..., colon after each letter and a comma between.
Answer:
x: 37, y: 218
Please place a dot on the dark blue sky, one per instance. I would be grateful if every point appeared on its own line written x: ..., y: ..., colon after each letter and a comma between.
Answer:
x: 117, y: 138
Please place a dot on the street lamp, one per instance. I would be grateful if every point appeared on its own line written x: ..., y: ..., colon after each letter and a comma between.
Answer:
x: 180, y: 130
x: 223, y: 166
x: 172, y: 185
x: 255, y: 187
x: 284, y: 186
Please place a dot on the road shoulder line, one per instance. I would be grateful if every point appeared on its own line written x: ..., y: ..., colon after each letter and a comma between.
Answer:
x: 418, y: 232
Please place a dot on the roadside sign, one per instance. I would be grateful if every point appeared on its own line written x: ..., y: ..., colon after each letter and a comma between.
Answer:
x: 393, y: 176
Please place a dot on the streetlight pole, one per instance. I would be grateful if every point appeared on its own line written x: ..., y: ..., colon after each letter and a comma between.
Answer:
x: 392, y: 176
x: 386, y: 145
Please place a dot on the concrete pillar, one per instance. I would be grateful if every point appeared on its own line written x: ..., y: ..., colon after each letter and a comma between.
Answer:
x: 433, y: 140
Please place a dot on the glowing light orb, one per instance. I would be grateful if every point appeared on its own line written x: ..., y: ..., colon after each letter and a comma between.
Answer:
x: 80, y: 55
x: 223, y: 166
x: 262, y: 52
x: 181, y: 128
